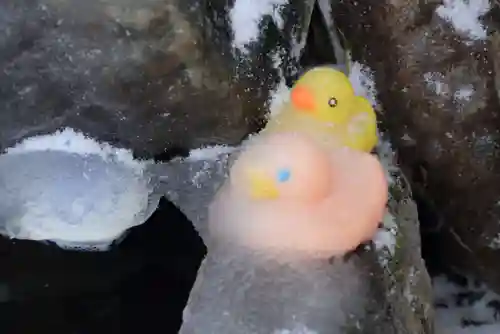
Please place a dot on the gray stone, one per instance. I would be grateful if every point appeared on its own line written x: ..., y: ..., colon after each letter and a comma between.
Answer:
x: 148, y: 76
x: 439, y: 88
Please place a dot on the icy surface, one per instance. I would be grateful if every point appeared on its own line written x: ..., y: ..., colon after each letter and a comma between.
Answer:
x: 246, y: 15
x: 468, y: 308
x: 465, y: 16
x: 191, y: 183
x: 71, y: 190
x: 242, y: 293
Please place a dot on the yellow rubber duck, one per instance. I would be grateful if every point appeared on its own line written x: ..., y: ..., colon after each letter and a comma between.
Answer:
x: 323, y: 105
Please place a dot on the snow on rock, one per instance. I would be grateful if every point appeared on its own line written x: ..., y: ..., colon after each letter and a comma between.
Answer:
x: 435, y: 82
x: 361, y: 77
x: 299, y: 329
x: 385, y: 239
x: 464, y: 94
x: 465, y: 16
x: 68, y: 140
x: 281, y: 94
x: 72, y: 190
x: 246, y: 16
x: 495, y: 242
x: 469, y: 307
x: 210, y: 152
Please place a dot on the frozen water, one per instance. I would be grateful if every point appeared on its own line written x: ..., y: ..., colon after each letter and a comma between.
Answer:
x: 245, y: 294
x: 71, y: 190
x: 191, y: 183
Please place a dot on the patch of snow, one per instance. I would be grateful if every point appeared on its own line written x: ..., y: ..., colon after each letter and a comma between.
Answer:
x: 210, y: 153
x: 386, y: 156
x: 465, y: 16
x: 281, y: 94
x: 458, y: 307
x: 299, y: 329
x: 385, y: 238
x: 246, y: 16
x: 435, y: 82
x: 464, y: 94
x: 361, y: 77
x: 495, y: 242
x: 70, y: 141
x: 72, y: 190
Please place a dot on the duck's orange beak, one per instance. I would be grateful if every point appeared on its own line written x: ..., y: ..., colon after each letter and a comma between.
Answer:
x: 302, y: 98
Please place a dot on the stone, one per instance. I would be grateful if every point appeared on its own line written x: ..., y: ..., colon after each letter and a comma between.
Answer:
x: 148, y: 76
x: 438, y: 85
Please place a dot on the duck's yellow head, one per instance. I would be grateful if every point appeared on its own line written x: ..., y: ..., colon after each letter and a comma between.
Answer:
x: 324, y: 93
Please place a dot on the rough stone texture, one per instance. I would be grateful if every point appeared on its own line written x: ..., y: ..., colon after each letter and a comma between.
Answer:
x: 405, y: 278
x: 447, y: 143
x: 146, y: 75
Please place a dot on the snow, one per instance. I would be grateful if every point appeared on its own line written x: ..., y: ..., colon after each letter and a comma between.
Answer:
x: 212, y: 153
x: 465, y: 16
x: 71, y: 141
x: 281, y: 94
x: 72, y: 190
x: 459, y: 305
x: 385, y: 239
x: 299, y: 329
x: 495, y: 242
x: 464, y: 94
x: 361, y: 77
x: 435, y: 82
x: 246, y: 15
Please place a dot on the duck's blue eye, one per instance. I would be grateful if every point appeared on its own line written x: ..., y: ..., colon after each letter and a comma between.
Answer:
x: 284, y: 175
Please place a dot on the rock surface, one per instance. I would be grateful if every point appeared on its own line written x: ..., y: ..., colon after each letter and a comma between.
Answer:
x: 439, y: 88
x: 149, y: 75
x: 152, y: 76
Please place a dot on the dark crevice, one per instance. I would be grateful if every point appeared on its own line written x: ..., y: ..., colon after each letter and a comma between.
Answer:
x: 318, y: 48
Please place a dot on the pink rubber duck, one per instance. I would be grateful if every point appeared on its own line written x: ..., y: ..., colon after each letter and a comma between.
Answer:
x: 287, y: 194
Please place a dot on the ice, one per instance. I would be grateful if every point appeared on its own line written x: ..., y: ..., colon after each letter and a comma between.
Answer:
x: 238, y: 292
x: 73, y: 191
x: 191, y: 183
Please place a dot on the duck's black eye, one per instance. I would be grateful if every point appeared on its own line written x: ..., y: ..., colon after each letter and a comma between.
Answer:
x: 332, y: 102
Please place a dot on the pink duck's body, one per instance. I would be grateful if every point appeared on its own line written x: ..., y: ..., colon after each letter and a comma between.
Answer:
x: 288, y: 194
